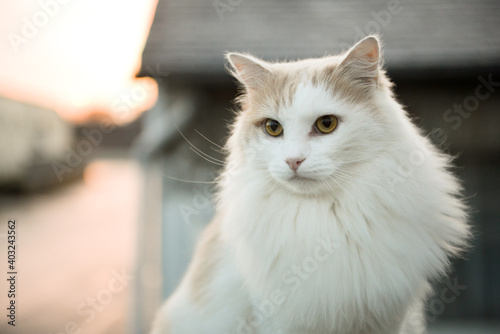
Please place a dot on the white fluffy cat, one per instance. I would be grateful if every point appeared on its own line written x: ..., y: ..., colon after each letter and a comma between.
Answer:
x: 333, y: 214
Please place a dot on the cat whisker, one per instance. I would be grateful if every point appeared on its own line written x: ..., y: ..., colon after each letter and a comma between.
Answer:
x: 200, y: 152
x: 359, y: 160
x: 207, y: 157
x: 189, y: 181
x: 205, y: 154
x: 348, y: 177
x: 345, y: 190
x: 219, y: 149
x: 325, y: 181
x: 353, y: 177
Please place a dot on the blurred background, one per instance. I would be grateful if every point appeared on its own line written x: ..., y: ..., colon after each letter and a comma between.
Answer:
x: 112, y: 114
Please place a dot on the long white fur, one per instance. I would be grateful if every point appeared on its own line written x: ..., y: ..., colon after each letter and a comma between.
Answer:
x: 350, y: 250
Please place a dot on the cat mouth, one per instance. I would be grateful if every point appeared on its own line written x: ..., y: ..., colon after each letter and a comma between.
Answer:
x: 300, y: 178
x: 297, y: 179
x: 302, y: 184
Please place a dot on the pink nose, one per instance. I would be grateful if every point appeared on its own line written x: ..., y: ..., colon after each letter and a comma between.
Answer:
x: 294, y: 163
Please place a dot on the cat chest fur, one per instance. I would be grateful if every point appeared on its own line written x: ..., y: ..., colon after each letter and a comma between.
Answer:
x: 304, y: 259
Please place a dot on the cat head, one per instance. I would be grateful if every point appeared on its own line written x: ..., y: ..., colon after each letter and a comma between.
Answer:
x: 305, y: 125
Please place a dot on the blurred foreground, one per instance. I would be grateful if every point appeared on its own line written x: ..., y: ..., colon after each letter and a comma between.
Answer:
x: 76, y: 247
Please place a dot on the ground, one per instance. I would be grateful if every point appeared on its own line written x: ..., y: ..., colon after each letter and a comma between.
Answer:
x: 75, y: 250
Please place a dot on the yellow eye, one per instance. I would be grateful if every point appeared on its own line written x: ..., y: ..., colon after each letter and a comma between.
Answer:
x: 273, y: 127
x: 326, y: 124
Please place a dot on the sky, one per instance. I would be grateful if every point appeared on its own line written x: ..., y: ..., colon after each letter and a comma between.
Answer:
x: 76, y: 57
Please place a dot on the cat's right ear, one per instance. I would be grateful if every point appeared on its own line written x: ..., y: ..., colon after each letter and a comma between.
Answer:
x: 249, y: 70
x: 362, y: 61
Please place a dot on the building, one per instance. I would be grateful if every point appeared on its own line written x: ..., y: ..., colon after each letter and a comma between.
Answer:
x: 33, y: 142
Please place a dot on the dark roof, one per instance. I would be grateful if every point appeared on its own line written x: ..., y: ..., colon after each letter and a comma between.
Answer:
x: 189, y: 37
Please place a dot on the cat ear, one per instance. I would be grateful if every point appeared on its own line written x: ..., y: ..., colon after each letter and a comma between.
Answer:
x: 247, y: 69
x: 362, y: 61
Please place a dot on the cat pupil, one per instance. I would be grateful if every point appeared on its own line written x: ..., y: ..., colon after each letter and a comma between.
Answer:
x: 327, y: 122
x: 274, y: 126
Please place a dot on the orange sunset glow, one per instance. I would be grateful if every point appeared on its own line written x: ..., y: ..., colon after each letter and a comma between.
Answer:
x: 76, y: 57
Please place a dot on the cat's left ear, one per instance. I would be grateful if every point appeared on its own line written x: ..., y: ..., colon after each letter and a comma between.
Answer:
x: 362, y: 61
x: 249, y: 70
